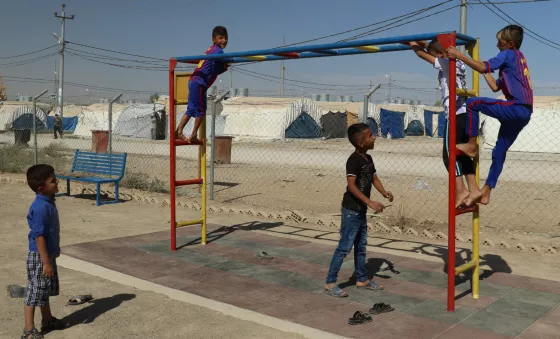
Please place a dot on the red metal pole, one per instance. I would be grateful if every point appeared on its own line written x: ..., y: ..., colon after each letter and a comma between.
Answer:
x: 448, y: 40
x: 172, y: 162
x: 452, y: 188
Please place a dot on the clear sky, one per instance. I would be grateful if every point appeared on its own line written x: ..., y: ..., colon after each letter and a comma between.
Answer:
x: 165, y: 28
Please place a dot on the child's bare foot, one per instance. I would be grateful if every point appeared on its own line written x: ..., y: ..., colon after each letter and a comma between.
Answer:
x: 193, y: 138
x: 473, y: 198
x: 469, y: 149
x: 485, y: 200
x: 460, y: 198
x: 180, y: 136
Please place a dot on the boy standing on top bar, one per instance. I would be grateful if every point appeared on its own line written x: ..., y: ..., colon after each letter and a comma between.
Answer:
x: 203, y: 77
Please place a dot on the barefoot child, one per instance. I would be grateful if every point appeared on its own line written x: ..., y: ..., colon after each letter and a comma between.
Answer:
x: 44, y: 238
x: 203, y: 77
x: 360, y: 175
x: 513, y: 113
x: 434, y: 54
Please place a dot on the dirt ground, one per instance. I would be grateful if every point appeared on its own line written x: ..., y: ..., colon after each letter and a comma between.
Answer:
x: 118, y: 311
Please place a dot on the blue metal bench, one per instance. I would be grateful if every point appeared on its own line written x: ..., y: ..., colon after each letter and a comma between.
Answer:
x: 98, y: 168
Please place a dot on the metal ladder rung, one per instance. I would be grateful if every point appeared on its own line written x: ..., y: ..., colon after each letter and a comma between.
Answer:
x: 197, y: 181
x: 179, y: 142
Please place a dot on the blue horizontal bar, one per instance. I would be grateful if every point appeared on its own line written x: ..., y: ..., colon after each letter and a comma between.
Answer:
x: 306, y: 55
x: 331, y: 46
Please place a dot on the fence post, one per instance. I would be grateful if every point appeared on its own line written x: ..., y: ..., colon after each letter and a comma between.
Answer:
x: 366, y: 102
x: 213, y: 147
x: 111, y: 122
x: 35, y: 125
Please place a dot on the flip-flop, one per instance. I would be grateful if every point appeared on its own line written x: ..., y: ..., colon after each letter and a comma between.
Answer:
x: 371, y: 286
x: 16, y: 291
x: 359, y: 318
x: 79, y: 299
x: 264, y: 255
x: 336, y: 292
x: 381, y: 307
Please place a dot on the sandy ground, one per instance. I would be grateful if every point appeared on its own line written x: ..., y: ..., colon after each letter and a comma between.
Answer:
x: 119, y: 311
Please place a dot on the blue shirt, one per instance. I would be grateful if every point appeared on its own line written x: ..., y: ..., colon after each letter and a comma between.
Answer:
x: 514, y: 78
x: 207, y: 71
x: 43, y: 221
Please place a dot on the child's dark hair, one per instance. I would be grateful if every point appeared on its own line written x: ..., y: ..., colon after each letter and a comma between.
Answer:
x: 37, y: 175
x: 355, y: 132
x: 436, y: 46
x: 219, y: 30
x: 512, y: 33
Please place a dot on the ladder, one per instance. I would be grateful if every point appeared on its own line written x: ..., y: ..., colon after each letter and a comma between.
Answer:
x: 173, y: 182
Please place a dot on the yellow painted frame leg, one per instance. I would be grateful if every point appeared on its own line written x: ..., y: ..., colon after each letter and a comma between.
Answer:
x: 474, y: 51
x: 202, y: 161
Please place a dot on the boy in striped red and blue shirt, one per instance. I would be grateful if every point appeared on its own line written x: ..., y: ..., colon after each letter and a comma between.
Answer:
x: 202, y: 78
x: 513, y: 113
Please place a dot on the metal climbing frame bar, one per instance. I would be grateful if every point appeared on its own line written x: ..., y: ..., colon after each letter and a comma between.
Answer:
x: 173, y: 182
x: 324, y: 50
x: 447, y: 40
x: 391, y: 44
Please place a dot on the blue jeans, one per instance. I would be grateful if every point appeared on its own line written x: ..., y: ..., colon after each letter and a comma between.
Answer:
x: 353, y: 232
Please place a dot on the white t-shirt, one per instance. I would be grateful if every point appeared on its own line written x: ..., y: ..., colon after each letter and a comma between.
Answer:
x: 442, y: 65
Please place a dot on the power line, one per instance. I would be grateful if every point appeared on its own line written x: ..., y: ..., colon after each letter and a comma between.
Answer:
x: 370, y: 25
x: 117, y: 52
x: 530, y: 33
x: 28, y: 61
x: 108, y: 89
x: 20, y: 55
x: 386, y: 27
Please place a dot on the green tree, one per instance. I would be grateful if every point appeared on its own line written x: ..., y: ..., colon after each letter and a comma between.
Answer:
x: 3, y: 96
x: 154, y: 97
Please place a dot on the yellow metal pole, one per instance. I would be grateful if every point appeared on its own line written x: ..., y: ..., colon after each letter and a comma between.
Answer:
x: 476, y: 216
x: 202, y: 161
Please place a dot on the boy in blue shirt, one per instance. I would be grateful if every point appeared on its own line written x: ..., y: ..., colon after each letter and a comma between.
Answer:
x: 513, y: 113
x: 360, y: 175
x: 202, y: 78
x: 44, y: 248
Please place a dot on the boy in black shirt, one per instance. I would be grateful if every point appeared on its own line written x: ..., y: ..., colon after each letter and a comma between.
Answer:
x: 361, y: 175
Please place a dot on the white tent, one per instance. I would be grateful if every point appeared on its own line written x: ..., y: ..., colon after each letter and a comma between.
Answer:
x: 19, y: 116
x: 96, y: 117
x: 262, y: 117
x: 539, y: 136
x: 136, y: 120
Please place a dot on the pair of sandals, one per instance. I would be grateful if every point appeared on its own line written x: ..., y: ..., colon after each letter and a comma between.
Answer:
x: 338, y: 292
x: 360, y: 317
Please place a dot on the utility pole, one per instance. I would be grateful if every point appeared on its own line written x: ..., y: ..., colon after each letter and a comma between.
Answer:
x: 463, y: 26
x: 282, y: 70
x: 390, y: 85
x: 55, y: 83
x: 62, y: 42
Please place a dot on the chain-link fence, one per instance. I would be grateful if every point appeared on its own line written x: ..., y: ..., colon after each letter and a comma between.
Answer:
x: 290, y: 154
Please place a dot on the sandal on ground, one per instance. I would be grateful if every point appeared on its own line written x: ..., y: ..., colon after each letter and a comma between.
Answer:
x: 79, y: 299
x: 264, y: 255
x: 336, y: 292
x: 381, y: 307
x: 371, y: 286
x: 33, y: 334
x: 359, y: 318
x: 53, y: 324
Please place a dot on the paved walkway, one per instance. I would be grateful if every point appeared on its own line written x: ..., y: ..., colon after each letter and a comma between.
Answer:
x: 289, y: 286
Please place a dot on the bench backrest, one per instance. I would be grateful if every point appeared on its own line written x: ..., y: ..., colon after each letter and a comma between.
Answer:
x: 100, y: 163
